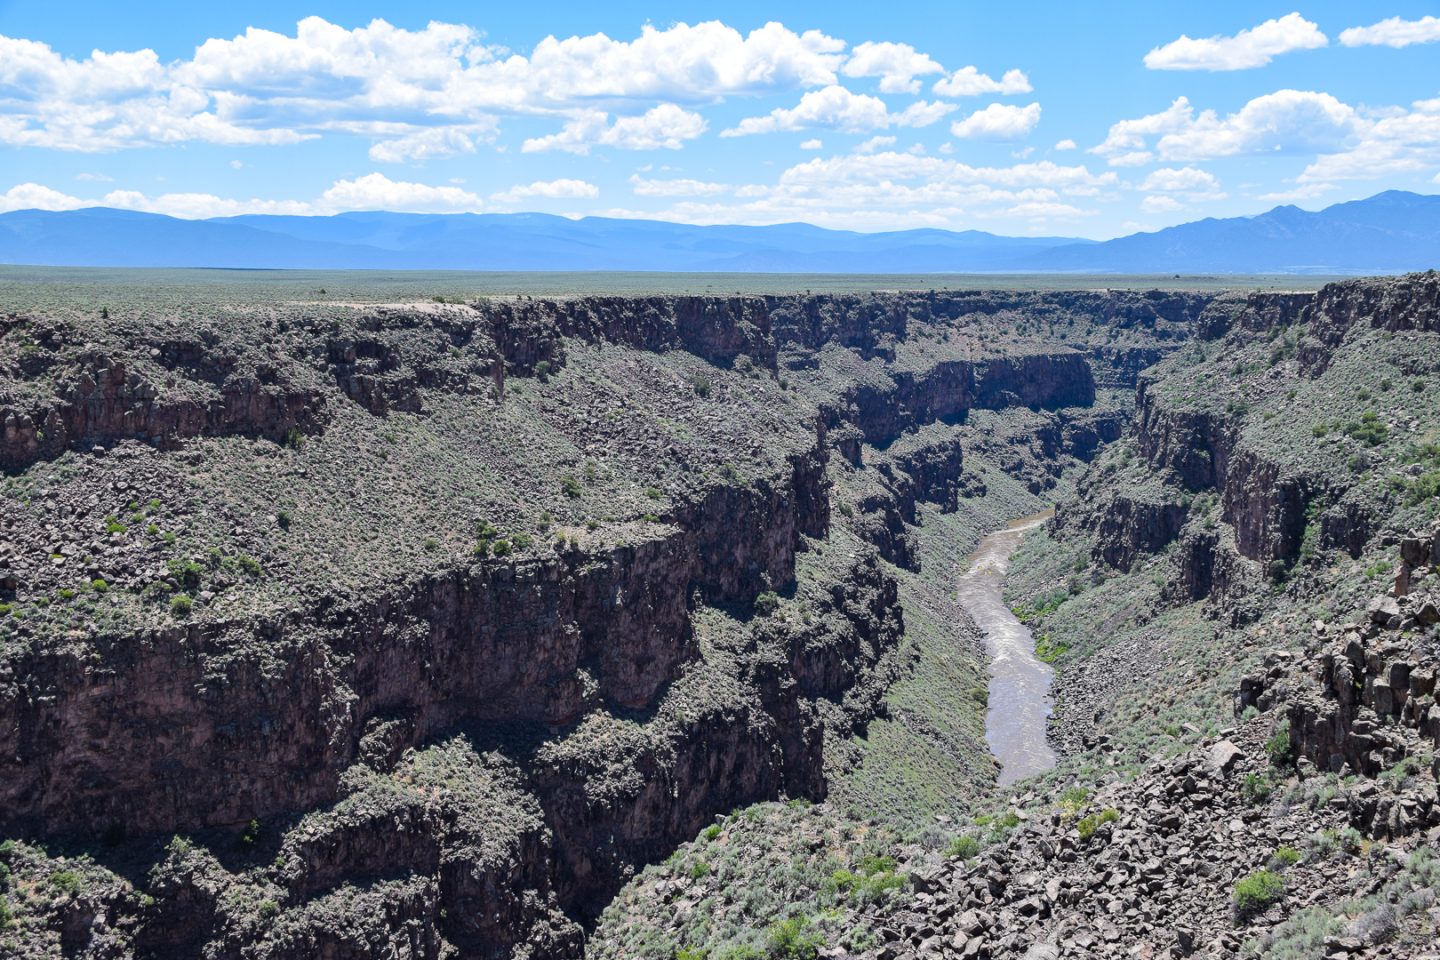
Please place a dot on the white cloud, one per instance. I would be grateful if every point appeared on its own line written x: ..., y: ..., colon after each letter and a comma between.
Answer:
x: 676, y: 188
x: 970, y: 82
x: 814, y: 143
x: 874, y: 144
x: 1341, y: 141
x: 1284, y: 121
x: 879, y: 190
x: 434, y: 143
x: 837, y: 108
x: 33, y: 196
x: 667, y: 126
x: 1254, y: 47
x: 896, y: 64
x: 1181, y: 180
x: 1160, y: 203
x: 893, y: 190
x: 999, y: 121
x: 375, y: 191
x: 1066, y: 144
x: 94, y: 177
x: 1128, y: 138
x: 1287, y: 121
x: 1043, y: 210
x: 563, y: 189
x: 1393, y: 32
x: 1307, y: 191
x: 199, y: 206
x: 381, y: 81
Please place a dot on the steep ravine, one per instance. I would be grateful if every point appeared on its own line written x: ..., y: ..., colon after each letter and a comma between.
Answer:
x: 449, y: 710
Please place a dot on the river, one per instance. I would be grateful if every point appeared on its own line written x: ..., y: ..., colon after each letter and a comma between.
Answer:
x: 1019, y: 682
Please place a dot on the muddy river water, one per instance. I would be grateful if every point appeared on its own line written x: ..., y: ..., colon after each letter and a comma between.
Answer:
x: 1019, y: 682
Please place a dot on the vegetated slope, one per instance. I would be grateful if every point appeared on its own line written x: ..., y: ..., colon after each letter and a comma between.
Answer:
x: 416, y: 630
x: 1242, y: 598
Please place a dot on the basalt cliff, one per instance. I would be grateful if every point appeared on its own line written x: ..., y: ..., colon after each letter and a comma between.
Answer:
x: 551, y: 628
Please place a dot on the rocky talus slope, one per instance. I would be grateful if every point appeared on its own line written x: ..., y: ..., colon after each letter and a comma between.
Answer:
x: 1241, y: 599
x: 415, y: 630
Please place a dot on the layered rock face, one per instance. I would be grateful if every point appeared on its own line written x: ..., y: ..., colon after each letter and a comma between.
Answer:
x: 451, y: 616
x: 1281, y: 500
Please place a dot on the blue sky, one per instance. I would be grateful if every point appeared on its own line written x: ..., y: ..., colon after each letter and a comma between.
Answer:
x: 1017, y: 118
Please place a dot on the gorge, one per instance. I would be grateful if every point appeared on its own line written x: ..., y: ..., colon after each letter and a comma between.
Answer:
x: 361, y: 628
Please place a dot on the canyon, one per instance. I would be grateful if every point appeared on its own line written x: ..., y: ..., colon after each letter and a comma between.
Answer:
x: 397, y: 629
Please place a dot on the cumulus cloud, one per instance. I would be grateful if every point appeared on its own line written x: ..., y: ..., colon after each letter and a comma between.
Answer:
x: 1307, y: 191
x: 1250, y: 48
x: 999, y: 121
x: 874, y: 144
x: 896, y: 64
x: 838, y: 108
x: 562, y: 189
x: 433, y: 143
x: 1160, y: 203
x: 667, y: 126
x: 1284, y: 121
x: 970, y: 82
x: 1171, y: 188
x: 883, y: 189
x: 1287, y: 121
x: 643, y: 187
x: 199, y: 206
x: 814, y: 143
x: 395, y: 85
x: 33, y: 196
x: 1181, y: 180
x: 1346, y: 143
x: 376, y: 191
x: 1066, y: 144
x: 1393, y: 32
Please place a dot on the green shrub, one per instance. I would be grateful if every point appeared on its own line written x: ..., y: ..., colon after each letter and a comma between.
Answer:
x: 249, y: 565
x: 1048, y: 650
x: 186, y: 572
x: 66, y: 881
x: 711, y: 832
x: 1277, y: 748
x: 7, y: 917
x: 1285, y: 856
x: 113, y: 525
x: 502, y: 548
x: 1088, y: 826
x: 1256, y: 788
x: 1255, y: 893
x: 963, y: 847
x: 570, y: 486
x: 1368, y: 429
x: 699, y: 869
x: 701, y: 386
x: 792, y: 939
x: 767, y: 603
x: 181, y: 606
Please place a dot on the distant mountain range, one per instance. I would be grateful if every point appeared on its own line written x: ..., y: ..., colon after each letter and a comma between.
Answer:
x: 1391, y: 232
